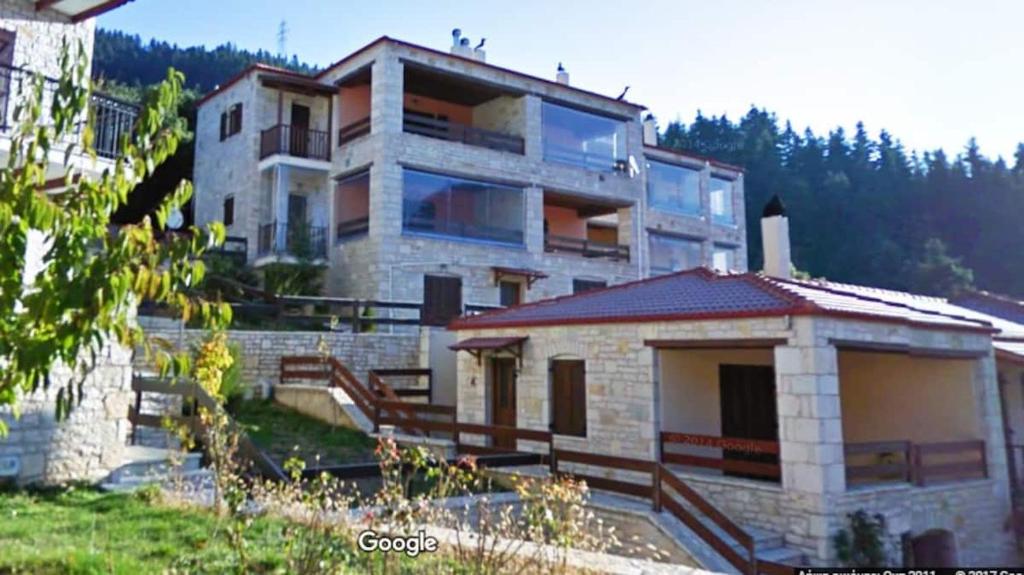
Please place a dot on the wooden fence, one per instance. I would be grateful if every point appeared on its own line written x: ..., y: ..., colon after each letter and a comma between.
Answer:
x: 767, y: 450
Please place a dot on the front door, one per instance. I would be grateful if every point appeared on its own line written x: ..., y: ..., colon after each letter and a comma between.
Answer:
x: 503, y: 397
x: 300, y: 131
x: 748, y: 410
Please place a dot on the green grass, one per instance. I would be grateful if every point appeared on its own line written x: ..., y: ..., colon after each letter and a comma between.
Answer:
x: 283, y: 432
x: 83, y: 531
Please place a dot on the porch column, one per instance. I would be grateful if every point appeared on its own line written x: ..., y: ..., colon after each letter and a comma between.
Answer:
x: 280, y: 219
x: 810, y: 426
x: 986, y: 390
x: 533, y: 139
x: 386, y: 95
x: 533, y: 204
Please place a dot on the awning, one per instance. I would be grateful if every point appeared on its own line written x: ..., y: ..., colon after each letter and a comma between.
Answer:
x: 738, y: 343
x: 478, y: 345
x: 530, y: 275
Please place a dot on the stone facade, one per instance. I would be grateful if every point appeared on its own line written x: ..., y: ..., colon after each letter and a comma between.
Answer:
x: 624, y: 381
x: 89, y: 443
x: 262, y: 350
x: 389, y: 262
x: 40, y: 35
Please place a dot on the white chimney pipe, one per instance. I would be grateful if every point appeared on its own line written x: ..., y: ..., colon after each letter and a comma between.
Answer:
x: 775, y: 239
x: 562, y: 77
x: 650, y: 131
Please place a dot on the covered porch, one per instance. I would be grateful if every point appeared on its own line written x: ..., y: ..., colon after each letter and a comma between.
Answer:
x: 906, y: 415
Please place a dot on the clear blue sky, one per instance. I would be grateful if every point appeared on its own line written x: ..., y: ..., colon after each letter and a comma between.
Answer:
x: 932, y: 72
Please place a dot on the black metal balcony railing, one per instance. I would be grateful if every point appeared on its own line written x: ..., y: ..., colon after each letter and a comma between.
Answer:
x: 351, y: 228
x: 354, y: 130
x: 290, y: 239
x: 295, y: 141
x: 112, y: 118
x: 453, y: 131
x: 586, y: 248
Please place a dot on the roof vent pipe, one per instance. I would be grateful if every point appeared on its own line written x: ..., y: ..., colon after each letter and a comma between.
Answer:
x: 775, y: 239
x: 562, y: 77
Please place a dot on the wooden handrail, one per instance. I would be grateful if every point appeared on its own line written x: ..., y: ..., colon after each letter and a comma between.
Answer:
x: 730, y: 443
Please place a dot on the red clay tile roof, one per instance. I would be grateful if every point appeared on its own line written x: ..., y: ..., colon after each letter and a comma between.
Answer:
x: 703, y: 294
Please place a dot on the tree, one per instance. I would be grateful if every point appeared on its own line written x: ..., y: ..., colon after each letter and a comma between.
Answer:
x: 89, y: 278
x: 939, y: 274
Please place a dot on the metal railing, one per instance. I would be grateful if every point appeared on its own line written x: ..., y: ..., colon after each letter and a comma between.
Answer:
x: 298, y: 240
x: 295, y: 141
x: 112, y: 118
x: 456, y: 132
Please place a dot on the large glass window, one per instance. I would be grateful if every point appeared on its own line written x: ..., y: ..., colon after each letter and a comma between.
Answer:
x: 721, y: 192
x: 581, y: 138
x: 672, y: 254
x: 449, y: 206
x: 673, y: 188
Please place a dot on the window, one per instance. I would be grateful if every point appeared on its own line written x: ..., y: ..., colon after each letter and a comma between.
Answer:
x: 229, y: 210
x: 580, y: 286
x: 450, y: 206
x: 672, y: 254
x: 442, y: 299
x: 231, y: 121
x: 721, y: 200
x: 673, y: 188
x: 582, y: 139
x: 511, y: 293
x: 568, y: 397
x: 723, y: 258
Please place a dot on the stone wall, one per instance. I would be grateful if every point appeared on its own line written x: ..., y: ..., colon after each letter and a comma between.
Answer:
x: 90, y: 442
x: 262, y: 350
x: 40, y: 35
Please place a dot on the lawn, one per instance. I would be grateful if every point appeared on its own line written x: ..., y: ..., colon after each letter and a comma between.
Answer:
x: 282, y: 432
x: 81, y: 530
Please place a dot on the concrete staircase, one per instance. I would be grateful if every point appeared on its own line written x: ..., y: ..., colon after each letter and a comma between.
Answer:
x: 150, y: 465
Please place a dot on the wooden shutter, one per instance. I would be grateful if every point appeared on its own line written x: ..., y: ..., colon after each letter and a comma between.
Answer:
x: 236, y: 118
x: 568, y: 397
x: 442, y: 299
x: 229, y: 210
x: 223, y: 126
x: 511, y: 293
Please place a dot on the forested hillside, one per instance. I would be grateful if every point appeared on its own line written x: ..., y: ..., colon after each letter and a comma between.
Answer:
x: 862, y: 209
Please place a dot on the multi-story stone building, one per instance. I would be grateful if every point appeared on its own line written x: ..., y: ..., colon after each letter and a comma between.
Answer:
x: 417, y: 174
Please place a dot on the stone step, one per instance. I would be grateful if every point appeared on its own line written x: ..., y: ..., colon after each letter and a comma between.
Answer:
x: 768, y: 545
x: 141, y: 462
x: 783, y: 555
x: 196, y: 481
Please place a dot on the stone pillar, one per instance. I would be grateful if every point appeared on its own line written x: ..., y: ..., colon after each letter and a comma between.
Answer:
x: 386, y: 93
x: 280, y: 219
x: 810, y: 429
x: 533, y: 206
x: 533, y: 133
x: 627, y: 231
x: 986, y: 390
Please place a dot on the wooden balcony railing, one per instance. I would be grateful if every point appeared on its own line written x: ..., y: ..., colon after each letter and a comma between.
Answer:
x: 295, y: 141
x: 917, y: 463
x: 586, y: 248
x: 354, y: 130
x: 754, y: 457
x: 455, y: 132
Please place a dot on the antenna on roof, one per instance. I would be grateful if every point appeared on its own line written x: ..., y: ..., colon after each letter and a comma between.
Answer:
x: 623, y: 94
x: 282, y: 39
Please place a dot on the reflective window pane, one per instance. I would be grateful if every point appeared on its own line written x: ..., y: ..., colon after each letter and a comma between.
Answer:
x: 673, y: 188
x: 582, y: 139
x: 450, y: 206
x: 671, y: 254
x: 721, y: 200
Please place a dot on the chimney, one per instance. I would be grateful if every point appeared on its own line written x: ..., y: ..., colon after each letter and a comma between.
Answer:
x: 562, y: 77
x: 775, y: 239
x: 650, y: 131
x: 480, y: 54
x: 460, y: 44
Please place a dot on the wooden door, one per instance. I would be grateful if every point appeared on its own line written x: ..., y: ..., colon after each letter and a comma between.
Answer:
x: 568, y: 397
x: 300, y: 130
x: 748, y: 410
x: 442, y: 299
x: 503, y: 397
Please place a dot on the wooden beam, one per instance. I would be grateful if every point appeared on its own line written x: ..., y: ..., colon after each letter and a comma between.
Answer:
x: 906, y: 349
x: 715, y: 343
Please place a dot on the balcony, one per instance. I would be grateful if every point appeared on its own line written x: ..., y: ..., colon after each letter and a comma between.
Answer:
x: 112, y: 118
x: 586, y: 248
x: 454, y: 132
x: 296, y: 142
x: 302, y: 241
